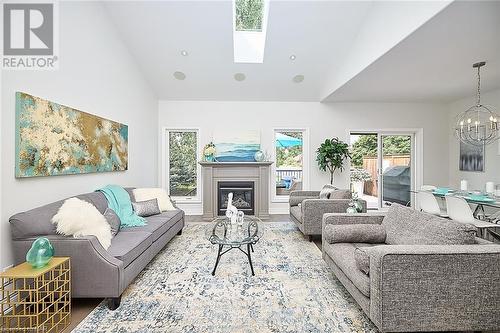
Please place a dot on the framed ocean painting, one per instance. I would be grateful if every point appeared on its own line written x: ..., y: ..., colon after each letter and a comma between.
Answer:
x: 53, y: 139
x: 236, y: 146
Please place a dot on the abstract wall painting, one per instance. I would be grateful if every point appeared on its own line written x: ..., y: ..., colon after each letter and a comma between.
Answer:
x: 236, y: 146
x: 53, y: 139
x: 471, y: 158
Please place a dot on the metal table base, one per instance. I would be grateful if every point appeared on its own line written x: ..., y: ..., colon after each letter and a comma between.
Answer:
x: 221, y: 252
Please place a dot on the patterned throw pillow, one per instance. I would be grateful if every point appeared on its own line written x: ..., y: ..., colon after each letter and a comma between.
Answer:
x: 146, y: 208
x: 113, y: 221
x: 326, y: 190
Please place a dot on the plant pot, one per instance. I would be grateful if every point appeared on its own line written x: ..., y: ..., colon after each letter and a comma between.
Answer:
x: 358, y: 187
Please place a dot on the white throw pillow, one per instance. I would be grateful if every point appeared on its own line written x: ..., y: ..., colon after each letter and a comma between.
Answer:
x: 80, y: 218
x: 158, y: 193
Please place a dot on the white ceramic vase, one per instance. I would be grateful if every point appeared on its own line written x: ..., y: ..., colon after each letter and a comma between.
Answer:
x: 358, y: 187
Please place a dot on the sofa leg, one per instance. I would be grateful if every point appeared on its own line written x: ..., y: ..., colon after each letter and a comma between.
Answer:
x: 113, y: 303
x: 309, y: 238
x: 180, y: 232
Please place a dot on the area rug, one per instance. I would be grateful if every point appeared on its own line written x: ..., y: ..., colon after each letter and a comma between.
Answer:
x: 293, y: 290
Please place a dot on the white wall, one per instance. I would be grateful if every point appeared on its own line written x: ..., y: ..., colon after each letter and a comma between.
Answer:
x: 96, y: 75
x: 477, y: 180
x: 323, y: 120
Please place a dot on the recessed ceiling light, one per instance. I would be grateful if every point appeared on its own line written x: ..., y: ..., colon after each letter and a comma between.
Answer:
x: 184, y: 53
x: 293, y: 57
x: 179, y: 75
x: 298, y: 78
x: 239, y: 77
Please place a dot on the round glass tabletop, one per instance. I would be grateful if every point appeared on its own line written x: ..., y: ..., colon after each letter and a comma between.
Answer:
x: 222, y: 232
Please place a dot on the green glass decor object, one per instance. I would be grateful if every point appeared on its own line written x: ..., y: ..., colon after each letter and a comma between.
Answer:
x: 358, y: 206
x: 351, y: 209
x: 40, y: 253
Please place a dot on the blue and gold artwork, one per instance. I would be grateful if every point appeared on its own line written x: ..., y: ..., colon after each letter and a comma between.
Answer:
x: 53, y: 139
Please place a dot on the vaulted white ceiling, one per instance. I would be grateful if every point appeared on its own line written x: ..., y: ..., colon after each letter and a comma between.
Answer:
x: 317, y: 33
x: 336, y: 43
x: 435, y: 62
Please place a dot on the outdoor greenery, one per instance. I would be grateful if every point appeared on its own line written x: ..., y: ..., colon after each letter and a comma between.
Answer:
x: 249, y: 14
x: 182, y: 148
x: 360, y: 175
x: 331, y: 155
x: 289, y: 156
x: 366, y: 145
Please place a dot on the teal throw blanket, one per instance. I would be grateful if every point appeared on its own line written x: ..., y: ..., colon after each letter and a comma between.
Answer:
x: 119, y: 201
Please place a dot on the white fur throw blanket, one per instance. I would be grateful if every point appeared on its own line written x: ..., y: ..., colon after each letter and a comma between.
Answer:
x: 80, y: 218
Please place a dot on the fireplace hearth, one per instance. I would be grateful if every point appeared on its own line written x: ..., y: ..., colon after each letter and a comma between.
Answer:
x: 243, y: 196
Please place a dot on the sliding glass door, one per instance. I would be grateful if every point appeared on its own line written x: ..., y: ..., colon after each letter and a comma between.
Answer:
x: 396, y: 172
x: 382, y: 167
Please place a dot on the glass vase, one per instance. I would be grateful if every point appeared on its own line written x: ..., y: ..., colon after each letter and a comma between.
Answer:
x: 40, y: 253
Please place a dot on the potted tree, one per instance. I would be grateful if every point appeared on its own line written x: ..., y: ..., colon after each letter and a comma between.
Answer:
x: 331, y: 155
x: 358, y: 178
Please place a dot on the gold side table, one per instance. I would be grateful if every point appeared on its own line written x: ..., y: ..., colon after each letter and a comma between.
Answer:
x: 36, y: 299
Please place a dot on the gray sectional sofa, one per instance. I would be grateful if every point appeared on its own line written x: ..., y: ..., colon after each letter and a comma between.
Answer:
x: 411, y: 271
x: 307, y: 209
x: 97, y: 272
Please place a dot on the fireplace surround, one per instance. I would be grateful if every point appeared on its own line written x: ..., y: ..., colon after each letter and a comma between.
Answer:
x: 234, y: 174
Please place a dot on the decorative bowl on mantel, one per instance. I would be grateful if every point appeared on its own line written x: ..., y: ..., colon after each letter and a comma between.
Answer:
x: 259, y: 156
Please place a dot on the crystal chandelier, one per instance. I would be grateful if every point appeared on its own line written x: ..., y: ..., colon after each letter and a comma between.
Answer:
x: 478, y: 125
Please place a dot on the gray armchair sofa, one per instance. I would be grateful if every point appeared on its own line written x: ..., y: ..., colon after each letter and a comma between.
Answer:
x: 96, y: 272
x: 307, y: 209
x: 428, y: 273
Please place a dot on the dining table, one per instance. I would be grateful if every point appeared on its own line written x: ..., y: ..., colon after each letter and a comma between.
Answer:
x: 480, y: 201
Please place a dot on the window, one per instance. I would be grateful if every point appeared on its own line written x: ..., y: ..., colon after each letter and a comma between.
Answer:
x: 182, y: 163
x: 289, y: 161
x: 248, y: 16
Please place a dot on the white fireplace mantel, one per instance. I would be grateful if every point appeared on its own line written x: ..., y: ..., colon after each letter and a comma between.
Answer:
x: 214, y: 172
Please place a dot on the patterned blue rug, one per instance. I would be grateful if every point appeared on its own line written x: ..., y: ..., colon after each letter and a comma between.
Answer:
x: 293, y: 290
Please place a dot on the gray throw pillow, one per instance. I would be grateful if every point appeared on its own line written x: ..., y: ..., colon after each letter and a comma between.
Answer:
x: 146, y: 208
x: 113, y: 221
x: 326, y: 191
x: 408, y: 226
x: 355, y: 233
x: 362, y: 259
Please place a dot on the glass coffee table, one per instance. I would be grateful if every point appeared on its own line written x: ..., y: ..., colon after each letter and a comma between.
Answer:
x: 241, y: 236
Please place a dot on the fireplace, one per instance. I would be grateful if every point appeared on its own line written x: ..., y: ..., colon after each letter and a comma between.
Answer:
x: 243, y: 196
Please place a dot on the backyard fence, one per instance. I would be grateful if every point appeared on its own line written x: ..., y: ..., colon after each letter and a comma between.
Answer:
x: 370, y: 165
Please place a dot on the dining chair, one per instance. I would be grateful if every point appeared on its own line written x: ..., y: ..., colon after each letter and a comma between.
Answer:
x: 428, y: 188
x: 429, y: 204
x: 459, y: 210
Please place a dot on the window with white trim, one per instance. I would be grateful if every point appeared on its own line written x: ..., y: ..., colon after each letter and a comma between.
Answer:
x: 182, y: 174
x: 289, y: 152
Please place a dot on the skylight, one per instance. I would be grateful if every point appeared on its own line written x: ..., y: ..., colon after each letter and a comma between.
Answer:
x: 248, y: 15
x: 249, y: 30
